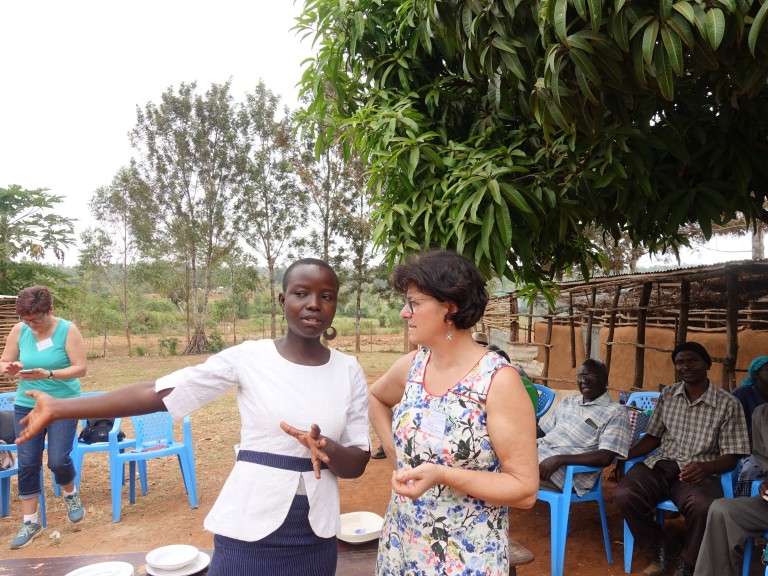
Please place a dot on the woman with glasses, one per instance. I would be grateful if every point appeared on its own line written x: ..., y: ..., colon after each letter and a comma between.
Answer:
x: 458, y: 427
x: 48, y: 354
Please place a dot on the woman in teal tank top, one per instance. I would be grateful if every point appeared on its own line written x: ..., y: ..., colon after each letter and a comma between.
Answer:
x: 46, y: 353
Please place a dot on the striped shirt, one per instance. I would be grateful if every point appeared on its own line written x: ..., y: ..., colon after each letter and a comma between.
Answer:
x: 577, y: 427
x: 701, y: 431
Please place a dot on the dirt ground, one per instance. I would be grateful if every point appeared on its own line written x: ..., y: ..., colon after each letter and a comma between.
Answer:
x: 164, y: 515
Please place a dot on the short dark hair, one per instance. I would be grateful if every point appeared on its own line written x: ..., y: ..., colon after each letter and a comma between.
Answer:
x: 692, y: 347
x: 34, y: 300
x: 307, y: 262
x: 447, y: 277
x: 498, y: 351
x: 598, y: 366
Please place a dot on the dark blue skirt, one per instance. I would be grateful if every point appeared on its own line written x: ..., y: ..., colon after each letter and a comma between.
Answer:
x: 291, y: 550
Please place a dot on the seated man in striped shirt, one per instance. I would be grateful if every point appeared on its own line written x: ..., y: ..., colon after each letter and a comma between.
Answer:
x: 587, y: 430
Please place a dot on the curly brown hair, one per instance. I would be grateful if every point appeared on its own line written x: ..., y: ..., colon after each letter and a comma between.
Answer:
x: 447, y: 277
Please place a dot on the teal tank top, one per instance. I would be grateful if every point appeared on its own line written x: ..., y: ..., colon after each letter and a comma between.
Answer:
x: 49, y: 358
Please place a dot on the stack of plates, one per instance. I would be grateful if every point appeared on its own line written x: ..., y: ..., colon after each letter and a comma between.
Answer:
x: 104, y: 569
x: 176, y: 560
x: 358, y: 527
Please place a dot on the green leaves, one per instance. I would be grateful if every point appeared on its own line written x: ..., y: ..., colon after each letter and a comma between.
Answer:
x: 512, y: 128
x: 757, y: 27
x: 715, y: 27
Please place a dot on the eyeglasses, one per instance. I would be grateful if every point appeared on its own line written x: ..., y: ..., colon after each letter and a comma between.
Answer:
x: 33, y: 320
x: 409, y: 302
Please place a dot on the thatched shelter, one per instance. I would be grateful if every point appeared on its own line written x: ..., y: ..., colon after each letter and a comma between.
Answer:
x: 633, y: 321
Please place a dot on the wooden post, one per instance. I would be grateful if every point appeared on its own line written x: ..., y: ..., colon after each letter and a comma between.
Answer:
x: 530, y: 321
x: 731, y: 331
x: 545, y: 371
x: 514, y: 318
x: 612, y: 328
x: 572, y: 324
x: 685, y: 307
x: 590, y: 320
x: 642, y: 313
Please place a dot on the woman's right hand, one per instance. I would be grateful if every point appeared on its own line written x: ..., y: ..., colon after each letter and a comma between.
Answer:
x: 11, y: 368
x: 39, y: 418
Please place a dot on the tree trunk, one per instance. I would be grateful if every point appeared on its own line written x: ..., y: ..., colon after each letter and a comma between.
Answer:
x: 272, y: 299
x: 199, y: 342
x: 357, y: 318
x: 758, y: 251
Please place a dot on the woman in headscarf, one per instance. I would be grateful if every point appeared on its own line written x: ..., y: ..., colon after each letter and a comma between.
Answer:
x: 752, y: 392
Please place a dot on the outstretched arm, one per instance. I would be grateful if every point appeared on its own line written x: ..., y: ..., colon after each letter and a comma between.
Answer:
x: 132, y: 400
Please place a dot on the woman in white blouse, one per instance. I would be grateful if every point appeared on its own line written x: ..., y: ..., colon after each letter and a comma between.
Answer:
x: 304, y: 410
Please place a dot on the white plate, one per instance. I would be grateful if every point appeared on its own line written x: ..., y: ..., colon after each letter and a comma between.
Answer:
x: 199, y: 563
x: 171, y: 557
x: 104, y: 569
x: 359, y: 527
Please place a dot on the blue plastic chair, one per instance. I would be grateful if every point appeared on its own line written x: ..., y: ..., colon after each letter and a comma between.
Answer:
x: 643, y: 400
x: 560, y: 504
x: 750, y: 541
x: 80, y: 449
x: 546, y: 399
x: 154, y: 439
x: 6, y: 403
x: 726, y: 479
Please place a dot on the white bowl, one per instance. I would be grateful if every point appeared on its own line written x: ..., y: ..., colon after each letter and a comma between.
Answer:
x: 359, y: 527
x: 172, y: 557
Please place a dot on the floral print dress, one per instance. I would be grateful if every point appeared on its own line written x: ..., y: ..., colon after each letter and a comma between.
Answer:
x: 444, y: 531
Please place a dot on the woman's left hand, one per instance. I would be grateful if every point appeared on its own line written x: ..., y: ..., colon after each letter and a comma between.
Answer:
x: 34, y: 374
x: 312, y: 440
x: 413, y: 482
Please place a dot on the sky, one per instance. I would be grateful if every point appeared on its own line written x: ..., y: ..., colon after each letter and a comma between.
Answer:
x: 74, y: 72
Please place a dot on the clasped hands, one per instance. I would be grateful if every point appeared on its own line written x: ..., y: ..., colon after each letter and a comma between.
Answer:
x: 312, y: 440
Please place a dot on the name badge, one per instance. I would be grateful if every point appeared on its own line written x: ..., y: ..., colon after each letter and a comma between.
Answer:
x: 43, y: 344
x: 433, y: 423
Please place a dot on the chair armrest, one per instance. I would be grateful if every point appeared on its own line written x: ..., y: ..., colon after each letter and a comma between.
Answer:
x: 572, y: 469
x: 578, y: 468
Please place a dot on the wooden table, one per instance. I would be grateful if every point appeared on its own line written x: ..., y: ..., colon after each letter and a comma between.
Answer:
x: 354, y: 560
x: 357, y: 560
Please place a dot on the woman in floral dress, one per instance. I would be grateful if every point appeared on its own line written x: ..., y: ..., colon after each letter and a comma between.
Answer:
x: 457, y: 425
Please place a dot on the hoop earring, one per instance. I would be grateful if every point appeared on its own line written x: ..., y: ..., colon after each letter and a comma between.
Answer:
x: 449, y: 334
x: 330, y: 333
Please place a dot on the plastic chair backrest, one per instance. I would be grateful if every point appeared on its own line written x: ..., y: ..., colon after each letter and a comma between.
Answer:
x: 153, y: 430
x: 643, y: 400
x: 546, y: 399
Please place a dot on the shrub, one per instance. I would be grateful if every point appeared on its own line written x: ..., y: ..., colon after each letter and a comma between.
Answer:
x: 170, y: 344
x: 215, y: 342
